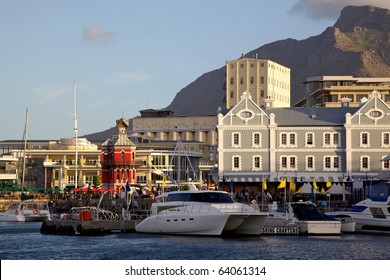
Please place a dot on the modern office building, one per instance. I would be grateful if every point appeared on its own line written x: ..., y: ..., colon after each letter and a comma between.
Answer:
x: 328, y: 91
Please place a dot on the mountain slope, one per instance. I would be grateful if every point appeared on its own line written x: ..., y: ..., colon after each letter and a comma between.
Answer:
x: 357, y: 45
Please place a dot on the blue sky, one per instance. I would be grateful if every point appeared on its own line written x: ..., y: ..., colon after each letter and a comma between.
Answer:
x: 127, y: 56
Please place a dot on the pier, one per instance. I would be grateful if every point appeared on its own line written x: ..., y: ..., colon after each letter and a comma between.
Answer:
x: 79, y: 227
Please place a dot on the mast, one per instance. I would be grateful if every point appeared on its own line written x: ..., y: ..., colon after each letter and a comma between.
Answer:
x: 75, y: 132
x: 24, y: 148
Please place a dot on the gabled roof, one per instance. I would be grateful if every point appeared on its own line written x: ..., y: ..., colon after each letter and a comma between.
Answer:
x: 315, y: 116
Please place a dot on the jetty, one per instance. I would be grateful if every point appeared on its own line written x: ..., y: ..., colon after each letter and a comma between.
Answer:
x: 80, y: 227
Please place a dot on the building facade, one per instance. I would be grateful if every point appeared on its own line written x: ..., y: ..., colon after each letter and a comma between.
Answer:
x: 327, y: 91
x: 263, y: 78
x: 118, y: 156
x: 337, y: 144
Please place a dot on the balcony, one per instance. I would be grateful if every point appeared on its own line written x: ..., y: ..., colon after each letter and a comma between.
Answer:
x: 119, y: 163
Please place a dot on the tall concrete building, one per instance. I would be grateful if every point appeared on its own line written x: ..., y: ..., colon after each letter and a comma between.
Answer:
x: 261, y: 77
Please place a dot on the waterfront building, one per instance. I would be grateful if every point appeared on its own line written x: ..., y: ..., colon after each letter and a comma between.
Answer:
x: 8, y: 171
x: 337, y: 144
x: 327, y: 91
x: 53, y: 165
x: 263, y: 78
x: 118, y: 156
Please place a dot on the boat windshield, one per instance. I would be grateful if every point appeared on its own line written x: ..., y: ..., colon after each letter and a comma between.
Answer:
x: 208, y: 197
x: 305, y: 212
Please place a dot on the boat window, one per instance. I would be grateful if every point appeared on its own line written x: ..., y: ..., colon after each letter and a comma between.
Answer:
x: 209, y: 197
x: 358, y: 208
x: 377, y: 213
x: 308, y: 213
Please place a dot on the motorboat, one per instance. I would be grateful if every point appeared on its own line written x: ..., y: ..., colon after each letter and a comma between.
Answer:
x: 201, y: 212
x: 307, y: 216
x: 348, y: 223
x: 371, y: 215
x: 26, y: 211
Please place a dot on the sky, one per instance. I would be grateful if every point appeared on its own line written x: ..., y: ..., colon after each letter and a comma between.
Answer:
x: 129, y: 55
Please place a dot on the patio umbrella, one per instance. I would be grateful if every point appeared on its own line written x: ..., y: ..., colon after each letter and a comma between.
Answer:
x: 111, y: 189
x: 77, y: 190
x: 307, y: 189
x: 93, y: 189
x: 102, y: 190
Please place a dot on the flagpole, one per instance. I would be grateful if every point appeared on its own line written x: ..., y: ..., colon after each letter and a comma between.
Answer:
x: 262, y: 193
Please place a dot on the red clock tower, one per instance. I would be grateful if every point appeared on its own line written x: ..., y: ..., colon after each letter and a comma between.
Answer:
x: 118, y: 158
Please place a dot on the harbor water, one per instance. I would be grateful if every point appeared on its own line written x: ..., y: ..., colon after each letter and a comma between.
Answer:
x: 23, y: 241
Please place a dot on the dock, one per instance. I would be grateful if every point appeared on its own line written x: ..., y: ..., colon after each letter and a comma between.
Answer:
x: 79, y: 227
x: 280, y: 230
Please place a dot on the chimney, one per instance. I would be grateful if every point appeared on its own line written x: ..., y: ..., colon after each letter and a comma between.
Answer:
x: 345, y: 101
x: 269, y: 102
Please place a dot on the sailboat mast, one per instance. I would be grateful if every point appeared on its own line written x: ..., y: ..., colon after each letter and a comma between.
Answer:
x: 75, y: 132
x: 24, y: 148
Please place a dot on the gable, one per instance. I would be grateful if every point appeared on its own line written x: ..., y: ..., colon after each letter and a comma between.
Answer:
x: 374, y: 112
x: 246, y: 112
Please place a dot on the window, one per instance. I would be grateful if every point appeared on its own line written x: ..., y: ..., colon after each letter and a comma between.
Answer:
x: 288, y: 140
x: 231, y: 94
x: 232, y: 81
x: 331, y: 140
x: 252, y: 80
x: 309, y: 139
x: 385, y: 164
x: 331, y: 163
x: 262, y: 79
x: 256, y: 140
x: 364, y: 163
x: 242, y: 81
x: 309, y: 163
x: 236, y: 163
x: 364, y: 139
x: 288, y: 163
x: 283, y: 140
x: 256, y: 163
x: 385, y: 139
x: 236, y: 140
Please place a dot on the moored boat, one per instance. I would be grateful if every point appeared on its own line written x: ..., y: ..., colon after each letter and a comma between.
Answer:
x: 193, y: 212
x: 26, y: 211
x: 310, y: 219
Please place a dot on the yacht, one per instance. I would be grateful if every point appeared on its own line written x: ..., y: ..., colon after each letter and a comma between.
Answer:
x: 305, y: 214
x: 371, y: 215
x: 201, y: 212
x: 26, y: 211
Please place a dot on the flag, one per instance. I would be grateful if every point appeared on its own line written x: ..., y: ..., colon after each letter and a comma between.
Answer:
x: 328, y: 183
x: 164, y: 183
x: 127, y: 186
x: 323, y: 191
x: 282, y: 184
x: 265, y: 184
x: 315, y: 184
x: 292, y: 185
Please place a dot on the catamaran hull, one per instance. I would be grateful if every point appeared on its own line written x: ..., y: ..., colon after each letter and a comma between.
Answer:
x: 183, y: 224
x: 208, y: 224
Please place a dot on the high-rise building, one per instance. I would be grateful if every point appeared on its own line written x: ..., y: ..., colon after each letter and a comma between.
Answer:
x: 263, y: 78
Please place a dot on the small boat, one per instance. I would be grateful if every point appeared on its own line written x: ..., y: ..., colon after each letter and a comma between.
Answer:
x: 310, y: 219
x: 26, y: 211
x: 348, y: 224
x: 197, y: 212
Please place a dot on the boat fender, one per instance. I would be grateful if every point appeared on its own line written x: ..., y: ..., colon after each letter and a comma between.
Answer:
x: 35, y: 212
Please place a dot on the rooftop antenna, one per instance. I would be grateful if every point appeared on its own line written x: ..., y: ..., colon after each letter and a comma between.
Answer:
x: 75, y: 131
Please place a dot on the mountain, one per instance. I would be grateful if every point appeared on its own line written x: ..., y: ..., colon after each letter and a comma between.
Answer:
x: 357, y: 45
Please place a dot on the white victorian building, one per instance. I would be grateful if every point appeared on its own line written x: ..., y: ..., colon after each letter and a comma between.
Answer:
x: 338, y: 144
